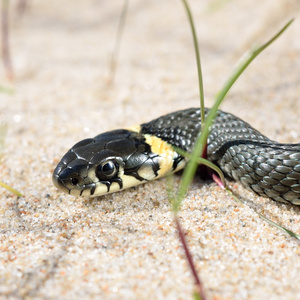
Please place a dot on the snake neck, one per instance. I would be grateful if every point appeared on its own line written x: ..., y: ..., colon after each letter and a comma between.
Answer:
x: 181, y: 129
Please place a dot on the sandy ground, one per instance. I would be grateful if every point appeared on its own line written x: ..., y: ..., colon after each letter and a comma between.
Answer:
x: 124, y: 245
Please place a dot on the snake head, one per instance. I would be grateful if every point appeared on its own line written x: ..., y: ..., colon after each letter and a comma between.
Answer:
x: 107, y: 163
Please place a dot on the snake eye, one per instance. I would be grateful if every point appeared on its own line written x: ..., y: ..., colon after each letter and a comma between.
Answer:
x: 107, y: 170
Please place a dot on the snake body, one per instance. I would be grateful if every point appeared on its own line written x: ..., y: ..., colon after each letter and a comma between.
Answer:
x: 119, y: 159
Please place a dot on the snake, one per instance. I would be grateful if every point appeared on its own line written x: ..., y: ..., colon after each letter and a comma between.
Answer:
x: 116, y: 160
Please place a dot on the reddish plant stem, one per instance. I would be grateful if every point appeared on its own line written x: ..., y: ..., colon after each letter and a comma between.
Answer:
x: 202, y: 169
x: 204, y: 152
x: 5, y: 41
x: 198, y: 283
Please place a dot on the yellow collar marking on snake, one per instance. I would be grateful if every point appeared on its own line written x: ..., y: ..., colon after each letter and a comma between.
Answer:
x: 166, y: 153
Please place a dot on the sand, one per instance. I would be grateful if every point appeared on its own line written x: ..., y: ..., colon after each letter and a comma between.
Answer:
x: 124, y: 245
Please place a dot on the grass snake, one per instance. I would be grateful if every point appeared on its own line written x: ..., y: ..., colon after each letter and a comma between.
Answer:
x: 118, y: 159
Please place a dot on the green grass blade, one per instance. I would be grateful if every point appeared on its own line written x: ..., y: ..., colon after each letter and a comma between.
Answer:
x: 12, y: 190
x: 191, y: 168
x: 197, y: 53
x: 3, y: 130
x: 196, y: 296
x: 291, y: 233
x: 200, y: 161
x: 249, y: 57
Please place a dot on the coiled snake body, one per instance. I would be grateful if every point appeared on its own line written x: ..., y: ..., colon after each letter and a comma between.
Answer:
x: 119, y: 159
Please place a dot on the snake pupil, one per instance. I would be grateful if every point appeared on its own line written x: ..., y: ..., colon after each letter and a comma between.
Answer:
x: 74, y: 181
x: 108, y: 168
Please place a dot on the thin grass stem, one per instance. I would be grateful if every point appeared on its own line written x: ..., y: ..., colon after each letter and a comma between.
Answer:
x: 197, y: 53
x: 200, y: 161
x: 118, y: 39
x: 280, y: 227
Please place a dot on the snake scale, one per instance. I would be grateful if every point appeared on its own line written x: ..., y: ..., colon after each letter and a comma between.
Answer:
x: 118, y: 159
